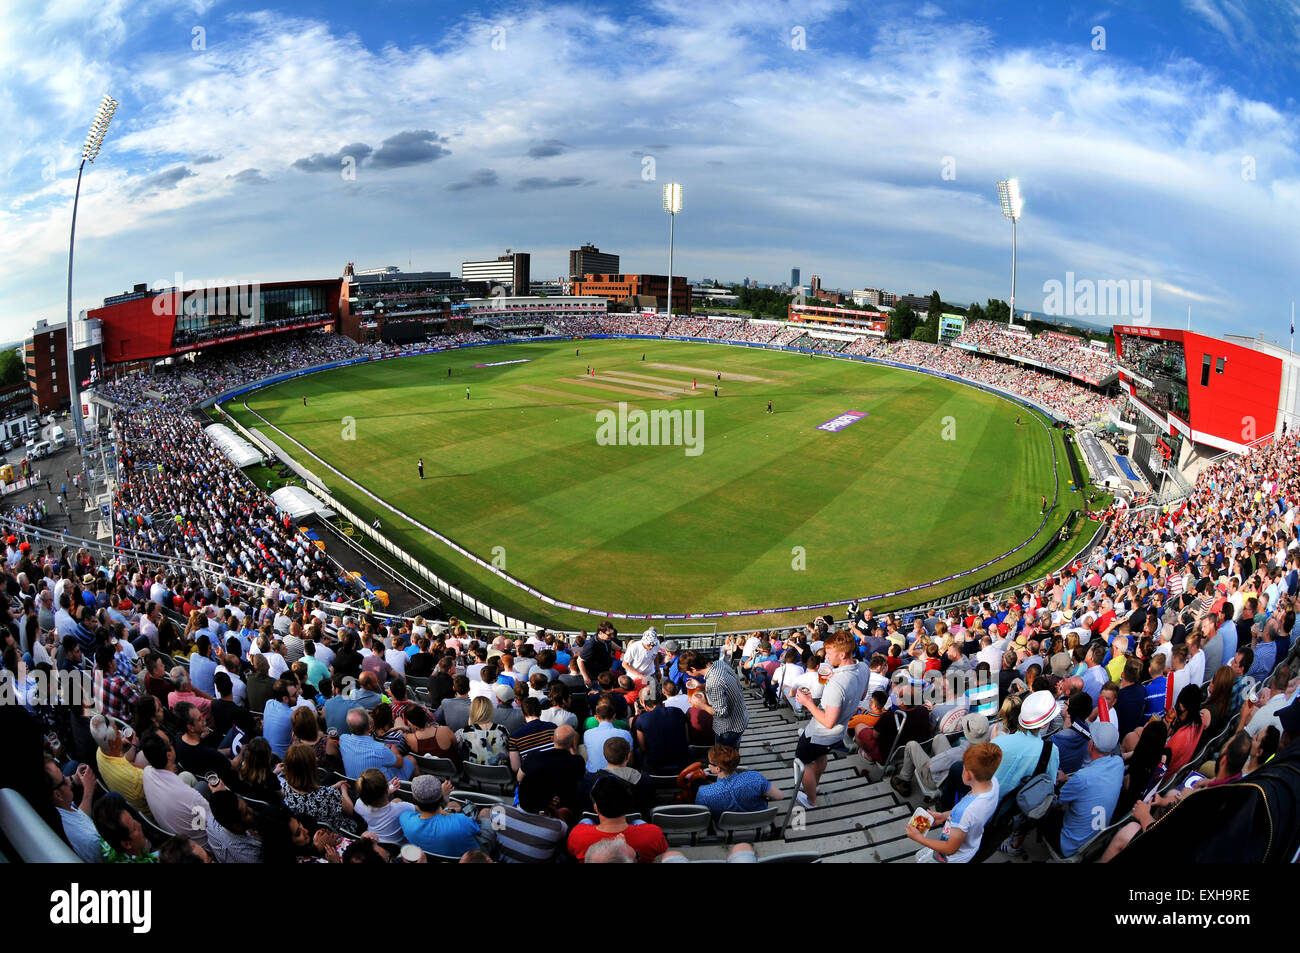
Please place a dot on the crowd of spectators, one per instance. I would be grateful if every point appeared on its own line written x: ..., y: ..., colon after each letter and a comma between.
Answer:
x: 272, y: 730
x: 1163, y: 665
x: 1065, y: 351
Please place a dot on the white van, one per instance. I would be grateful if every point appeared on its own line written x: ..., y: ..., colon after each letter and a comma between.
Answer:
x: 56, y: 435
x: 39, y: 450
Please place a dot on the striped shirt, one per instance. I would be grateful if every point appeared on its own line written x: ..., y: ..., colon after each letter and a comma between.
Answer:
x: 524, y: 838
x: 535, y: 735
x: 724, y: 694
x: 361, y: 752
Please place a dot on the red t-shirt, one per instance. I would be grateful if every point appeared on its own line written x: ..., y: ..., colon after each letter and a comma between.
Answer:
x: 646, y: 839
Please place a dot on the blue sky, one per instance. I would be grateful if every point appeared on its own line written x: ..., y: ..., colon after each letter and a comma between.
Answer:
x: 860, y: 142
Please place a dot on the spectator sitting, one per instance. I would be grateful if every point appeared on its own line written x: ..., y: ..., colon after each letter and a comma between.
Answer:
x: 931, y: 769
x: 560, y: 699
x: 595, y: 737
x: 360, y: 751
x: 76, y: 818
x: 184, y: 691
x: 1086, y: 801
x: 173, y: 802
x: 383, y: 816
x: 618, y: 764
x: 367, y: 695
x: 424, y: 736
x: 122, y: 836
x: 963, y: 826
x: 612, y: 799
x: 531, y: 832
x: 559, y: 773
x: 454, y: 711
x: 1073, y: 740
x: 1022, y: 748
x: 434, y: 827
x: 117, y: 772
x: 230, y: 829
x: 482, y: 741
x: 303, y: 793
x: 734, y: 790
x: 660, y: 734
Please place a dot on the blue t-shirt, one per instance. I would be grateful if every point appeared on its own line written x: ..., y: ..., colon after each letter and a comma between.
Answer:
x: 595, y: 739
x: 1093, y: 680
x: 970, y: 815
x: 1089, y: 798
x: 449, y: 835
x: 1020, y: 754
x: 336, y: 713
x: 202, y: 670
x: 742, y: 791
x: 1156, y: 689
x: 277, y: 727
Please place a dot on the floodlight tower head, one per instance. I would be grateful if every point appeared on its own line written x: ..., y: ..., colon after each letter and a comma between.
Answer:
x: 1009, y: 196
x: 672, y: 198
x: 98, y: 128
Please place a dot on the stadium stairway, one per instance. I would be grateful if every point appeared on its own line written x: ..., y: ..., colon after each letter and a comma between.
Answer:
x: 857, y: 819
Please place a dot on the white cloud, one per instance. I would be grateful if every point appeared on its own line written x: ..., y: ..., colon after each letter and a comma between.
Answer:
x: 828, y: 157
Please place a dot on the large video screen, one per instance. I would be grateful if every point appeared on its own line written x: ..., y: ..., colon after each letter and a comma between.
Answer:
x: 1162, y: 363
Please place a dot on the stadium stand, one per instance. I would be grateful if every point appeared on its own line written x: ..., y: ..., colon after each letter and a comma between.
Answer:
x: 1071, y: 354
x: 1161, y: 665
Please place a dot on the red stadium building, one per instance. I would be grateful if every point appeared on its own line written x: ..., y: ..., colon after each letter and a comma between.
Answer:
x: 146, y: 324
x: 1195, y: 395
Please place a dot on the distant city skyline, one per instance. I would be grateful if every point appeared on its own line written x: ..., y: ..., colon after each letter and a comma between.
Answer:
x: 1152, y: 145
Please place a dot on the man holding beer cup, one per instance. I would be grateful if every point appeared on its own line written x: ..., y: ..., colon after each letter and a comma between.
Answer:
x: 845, y: 681
x: 722, y: 697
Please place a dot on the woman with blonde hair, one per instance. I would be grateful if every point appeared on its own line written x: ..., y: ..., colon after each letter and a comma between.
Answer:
x: 481, y: 741
x: 1008, y: 722
x: 197, y: 622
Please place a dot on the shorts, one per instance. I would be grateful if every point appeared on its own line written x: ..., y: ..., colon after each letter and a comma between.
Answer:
x: 809, y: 751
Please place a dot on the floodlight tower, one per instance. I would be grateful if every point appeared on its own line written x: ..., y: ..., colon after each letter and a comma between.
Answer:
x: 1012, y: 205
x: 672, y: 205
x: 89, y: 152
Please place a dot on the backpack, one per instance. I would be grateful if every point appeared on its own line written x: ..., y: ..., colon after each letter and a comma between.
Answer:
x: 1035, y: 797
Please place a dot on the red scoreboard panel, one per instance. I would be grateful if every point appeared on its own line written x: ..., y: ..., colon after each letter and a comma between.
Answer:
x: 1211, y: 391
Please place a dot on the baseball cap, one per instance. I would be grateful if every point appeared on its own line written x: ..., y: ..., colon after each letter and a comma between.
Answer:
x: 1039, y: 709
x: 1105, y: 736
x: 671, y: 647
x: 426, y: 789
x: 505, y: 694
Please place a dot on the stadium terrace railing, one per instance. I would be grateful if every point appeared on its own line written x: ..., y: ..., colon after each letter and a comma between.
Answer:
x: 499, y: 618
